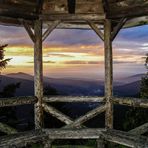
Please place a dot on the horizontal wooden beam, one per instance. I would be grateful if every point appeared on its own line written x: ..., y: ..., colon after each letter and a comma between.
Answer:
x: 135, y: 102
x: 129, y: 12
x: 14, y: 101
x: 85, y: 133
x: 22, y: 139
x: 125, y: 138
x: 72, y: 17
x: 73, y: 99
x: 7, y: 129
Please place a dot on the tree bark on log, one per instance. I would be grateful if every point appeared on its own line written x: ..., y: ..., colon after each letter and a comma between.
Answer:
x: 108, y: 74
x: 38, y: 74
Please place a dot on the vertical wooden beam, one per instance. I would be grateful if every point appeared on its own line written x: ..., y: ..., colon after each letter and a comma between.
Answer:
x: 38, y: 74
x: 100, y: 143
x: 108, y: 74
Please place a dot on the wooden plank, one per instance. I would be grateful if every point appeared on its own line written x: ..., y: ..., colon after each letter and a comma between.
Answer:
x: 38, y: 74
x: 7, y: 129
x: 50, y: 29
x: 85, y: 133
x: 29, y: 30
x: 59, y: 115
x: 117, y: 28
x: 22, y: 139
x: 87, y: 116
x: 96, y: 29
x: 14, y: 101
x: 72, y: 17
x: 142, y: 129
x: 125, y: 138
x: 73, y: 99
x: 129, y: 12
x: 108, y: 74
x: 135, y: 102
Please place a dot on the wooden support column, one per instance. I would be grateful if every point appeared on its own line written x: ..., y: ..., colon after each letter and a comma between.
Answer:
x: 108, y: 74
x: 38, y: 74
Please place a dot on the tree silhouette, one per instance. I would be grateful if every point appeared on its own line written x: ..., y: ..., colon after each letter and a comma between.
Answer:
x: 138, y: 116
x: 3, y: 62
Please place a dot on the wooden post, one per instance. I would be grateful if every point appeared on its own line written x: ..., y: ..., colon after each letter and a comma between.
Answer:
x: 108, y: 74
x: 38, y: 74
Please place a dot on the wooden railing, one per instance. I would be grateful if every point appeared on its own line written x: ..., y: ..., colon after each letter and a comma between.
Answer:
x: 74, y: 128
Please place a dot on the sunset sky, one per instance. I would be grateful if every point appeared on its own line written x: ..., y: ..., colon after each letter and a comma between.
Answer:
x: 76, y: 53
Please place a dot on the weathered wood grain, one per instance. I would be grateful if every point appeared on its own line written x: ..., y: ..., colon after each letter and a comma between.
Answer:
x: 135, y: 102
x: 125, y: 138
x: 21, y: 140
x: 142, y: 129
x: 73, y: 99
x: 38, y: 74
x: 50, y: 29
x: 7, y: 129
x: 86, y: 133
x: 108, y: 74
x: 96, y: 29
x: 14, y: 101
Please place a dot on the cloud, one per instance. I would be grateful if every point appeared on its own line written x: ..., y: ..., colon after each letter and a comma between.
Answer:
x: 59, y: 55
x: 83, y: 62
x: 47, y: 62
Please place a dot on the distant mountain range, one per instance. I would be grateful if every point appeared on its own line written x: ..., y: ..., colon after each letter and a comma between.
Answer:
x: 128, y: 86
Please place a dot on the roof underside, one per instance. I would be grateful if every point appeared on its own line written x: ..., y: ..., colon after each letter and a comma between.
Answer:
x: 74, y: 13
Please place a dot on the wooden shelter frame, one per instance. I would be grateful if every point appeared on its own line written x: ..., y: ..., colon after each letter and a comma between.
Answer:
x: 74, y: 128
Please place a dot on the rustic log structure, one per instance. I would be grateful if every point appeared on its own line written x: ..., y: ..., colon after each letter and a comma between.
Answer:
x: 106, y: 18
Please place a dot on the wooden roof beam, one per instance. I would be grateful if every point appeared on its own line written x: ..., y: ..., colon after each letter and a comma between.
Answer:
x: 72, y: 17
x: 129, y: 12
x: 117, y: 28
x: 50, y: 29
x: 97, y: 30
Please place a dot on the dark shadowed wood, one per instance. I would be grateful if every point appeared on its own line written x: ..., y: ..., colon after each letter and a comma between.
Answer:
x: 38, y: 74
x: 135, y: 102
x: 140, y: 129
x: 125, y: 139
x: 108, y: 74
x: 7, y: 129
x: 14, y: 101
x: 100, y: 143
x: 21, y: 140
x: 73, y: 99
x: 97, y: 30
